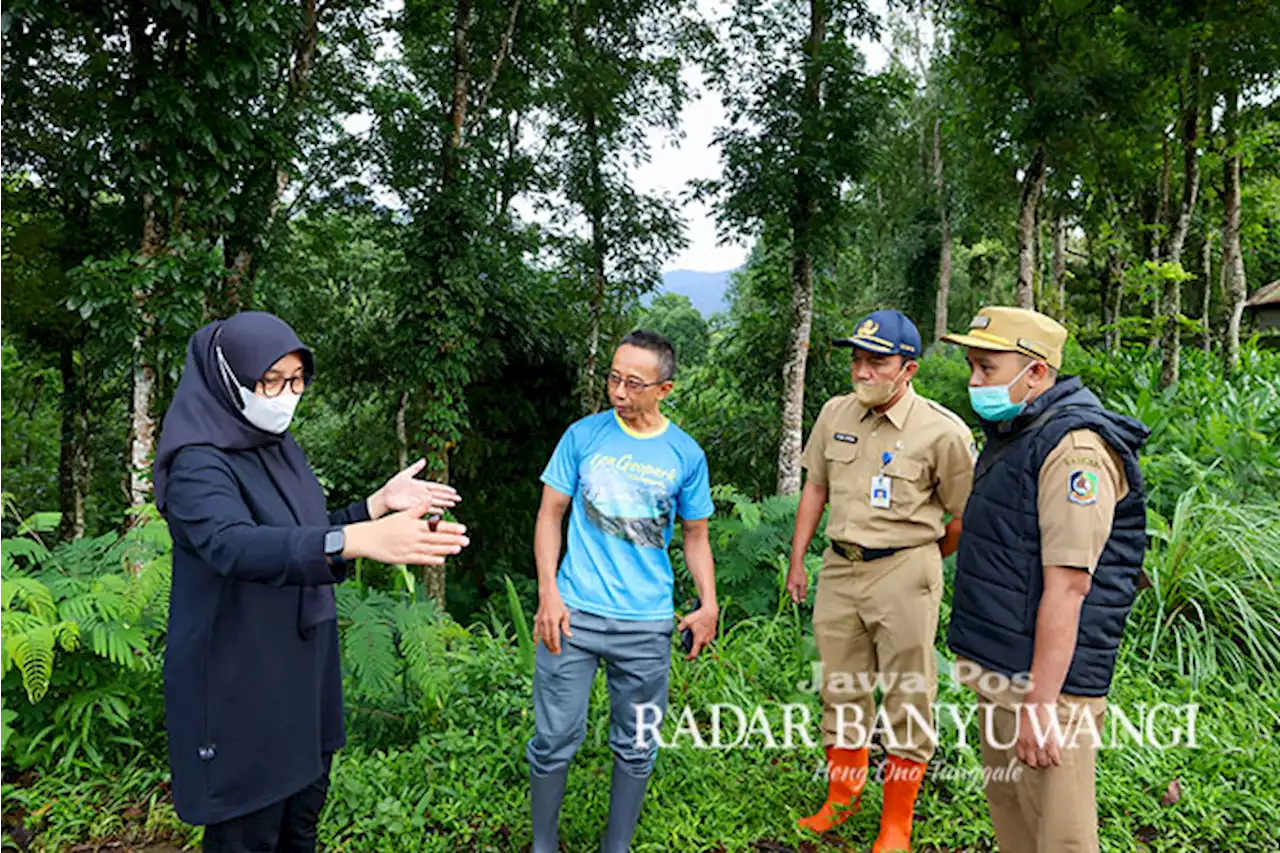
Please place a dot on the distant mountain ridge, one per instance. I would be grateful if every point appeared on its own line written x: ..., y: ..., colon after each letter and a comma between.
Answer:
x: 706, y: 290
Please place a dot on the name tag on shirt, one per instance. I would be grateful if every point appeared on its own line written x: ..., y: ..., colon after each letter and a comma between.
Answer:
x: 845, y: 437
x: 881, y: 491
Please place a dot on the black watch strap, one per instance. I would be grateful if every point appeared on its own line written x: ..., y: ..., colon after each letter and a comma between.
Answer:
x: 335, y: 540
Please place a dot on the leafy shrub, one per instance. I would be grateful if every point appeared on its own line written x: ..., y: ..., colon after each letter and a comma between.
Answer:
x: 1214, y: 607
x: 1206, y: 430
x: 751, y: 543
x: 83, y: 633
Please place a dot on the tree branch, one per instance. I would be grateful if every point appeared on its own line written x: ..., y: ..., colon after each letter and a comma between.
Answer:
x: 503, y: 48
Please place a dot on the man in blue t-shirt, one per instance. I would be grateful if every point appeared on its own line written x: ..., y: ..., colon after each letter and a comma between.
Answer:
x: 627, y: 472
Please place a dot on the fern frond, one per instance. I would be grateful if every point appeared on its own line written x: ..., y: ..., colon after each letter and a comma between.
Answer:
x: 420, y: 643
x: 150, y: 589
x: 122, y: 644
x: 32, y: 653
x: 23, y: 547
x: 68, y: 635
x: 369, y: 647
x: 348, y: 599
x: 20, y: 622
x: 40, y: 522
x: 36, y: 596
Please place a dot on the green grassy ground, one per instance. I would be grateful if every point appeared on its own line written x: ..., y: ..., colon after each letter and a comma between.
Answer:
x: 461, y: 786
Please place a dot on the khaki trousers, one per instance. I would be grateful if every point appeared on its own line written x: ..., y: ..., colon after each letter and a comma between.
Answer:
x: 1044, y: 810
x: 876, y: 622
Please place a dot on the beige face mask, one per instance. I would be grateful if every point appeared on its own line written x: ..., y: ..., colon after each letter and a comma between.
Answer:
x: 872, y: 394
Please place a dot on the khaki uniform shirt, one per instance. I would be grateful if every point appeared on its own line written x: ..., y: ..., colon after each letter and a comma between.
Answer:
x: 1080, y: 483
x: 930, y: 471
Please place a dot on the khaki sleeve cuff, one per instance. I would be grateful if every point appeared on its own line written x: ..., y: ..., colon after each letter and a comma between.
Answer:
x: 1075, y: 559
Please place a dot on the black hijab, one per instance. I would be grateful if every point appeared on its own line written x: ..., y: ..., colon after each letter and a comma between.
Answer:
x: 207, y: 411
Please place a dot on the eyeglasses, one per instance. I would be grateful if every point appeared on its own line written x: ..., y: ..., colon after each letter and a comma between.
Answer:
x: 275, y: 385
x: 634, y: 385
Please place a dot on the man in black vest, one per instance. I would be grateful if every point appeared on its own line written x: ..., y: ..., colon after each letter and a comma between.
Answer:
x: 1049, y: 560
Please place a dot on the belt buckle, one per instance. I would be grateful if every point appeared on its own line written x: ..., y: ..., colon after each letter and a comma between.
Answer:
x: 852, y: 553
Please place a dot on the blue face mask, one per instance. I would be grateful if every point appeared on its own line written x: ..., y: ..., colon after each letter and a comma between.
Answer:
x: 992, y: 402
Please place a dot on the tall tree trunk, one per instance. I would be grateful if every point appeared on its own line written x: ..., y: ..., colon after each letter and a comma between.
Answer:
x: 242, y: 248
x: 1161, y: 225
x: 878, y: 242
x: 142, y: 411
x: 402, y: 432
x: 591, y: 384
x: 1206, y: 266
x: 594, y: 209
x: 238, y: 257
x: 599, y: 250
x: 445, y: 231
x: 1171, y: 338
x: 1232, y: 260
x: 793, y: 371
x: 71, y: 457
x: 461, y: 90
x: 944, y: 260
x: 1159, y: 232
x: 1115, y: 298
x: 1060, y: 265
x: 1032, y: 187
x: 503, y: 48
x: 1037, y: 252
x: 803, y: 222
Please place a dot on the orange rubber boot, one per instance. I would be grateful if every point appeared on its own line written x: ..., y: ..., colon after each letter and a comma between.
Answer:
x: 901, y: 785
x: 846, y: 777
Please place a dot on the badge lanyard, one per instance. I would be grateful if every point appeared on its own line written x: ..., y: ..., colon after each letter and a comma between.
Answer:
x: 881, y: 486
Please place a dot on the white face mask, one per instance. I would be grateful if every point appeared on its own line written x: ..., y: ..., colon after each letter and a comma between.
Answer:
x: 269, y: 414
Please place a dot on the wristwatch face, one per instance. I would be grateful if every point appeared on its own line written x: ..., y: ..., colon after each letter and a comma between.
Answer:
x: 334, y: 541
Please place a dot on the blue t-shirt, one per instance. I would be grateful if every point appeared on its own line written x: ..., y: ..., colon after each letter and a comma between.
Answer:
x: 627, y: 490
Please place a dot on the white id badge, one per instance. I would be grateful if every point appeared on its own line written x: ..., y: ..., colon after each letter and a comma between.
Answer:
x: 880, y: 491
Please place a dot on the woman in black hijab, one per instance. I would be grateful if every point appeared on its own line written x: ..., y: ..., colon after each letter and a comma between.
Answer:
x: 253, y: 684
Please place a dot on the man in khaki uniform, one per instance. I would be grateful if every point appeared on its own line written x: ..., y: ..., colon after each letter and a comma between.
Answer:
x: 1054, y: 536
x: 893, y: 466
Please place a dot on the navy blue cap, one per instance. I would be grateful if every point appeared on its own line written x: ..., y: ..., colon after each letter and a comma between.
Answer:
x: 886, y: 332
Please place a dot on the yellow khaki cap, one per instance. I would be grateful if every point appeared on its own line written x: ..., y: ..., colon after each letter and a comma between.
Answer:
x: 1015, y: 330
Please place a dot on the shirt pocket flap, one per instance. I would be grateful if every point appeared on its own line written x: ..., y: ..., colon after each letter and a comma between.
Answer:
x: 905, y: 468
x: 840, y: 451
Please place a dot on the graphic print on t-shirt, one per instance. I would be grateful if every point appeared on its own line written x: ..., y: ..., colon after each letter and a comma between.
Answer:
x: 628, y: 499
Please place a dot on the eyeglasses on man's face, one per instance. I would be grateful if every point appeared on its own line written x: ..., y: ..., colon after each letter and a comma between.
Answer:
x: 631, y: 383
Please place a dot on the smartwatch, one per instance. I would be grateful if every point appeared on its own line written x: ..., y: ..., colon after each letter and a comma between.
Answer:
x: 334, y: 541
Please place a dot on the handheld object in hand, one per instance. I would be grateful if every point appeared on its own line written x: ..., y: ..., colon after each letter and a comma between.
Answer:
x: 686, y: 636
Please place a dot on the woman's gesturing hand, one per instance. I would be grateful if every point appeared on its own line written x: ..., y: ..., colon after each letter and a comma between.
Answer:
x: 405, y: 491
x: 406, y: 537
